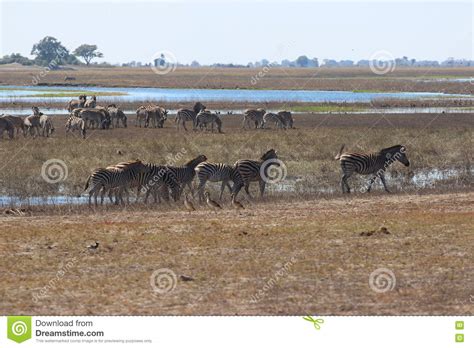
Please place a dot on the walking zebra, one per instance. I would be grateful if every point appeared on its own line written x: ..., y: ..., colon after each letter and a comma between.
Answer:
x: 251, y: 170
x: 117, y: 115
x: 113, y: 179
x: 216, y: 172
x: 184, y: 115
x: 76, y: 123
x: 206, y: 117
x: 287, y: 118
x: 373, y: 163
x: 270, y: 116
x: 255, y: 115
x: 185, y: 174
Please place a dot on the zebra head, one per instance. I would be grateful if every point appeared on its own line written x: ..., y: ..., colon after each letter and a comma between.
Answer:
x: 396, y: 153
x: 270, y: 154
x: 198, y: 107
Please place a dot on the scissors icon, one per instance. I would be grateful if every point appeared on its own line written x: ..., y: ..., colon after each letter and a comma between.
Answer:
x: 316, y: 322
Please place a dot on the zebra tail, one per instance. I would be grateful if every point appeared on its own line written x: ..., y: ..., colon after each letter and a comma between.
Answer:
x: 87, y: 183
x: 338, y: 156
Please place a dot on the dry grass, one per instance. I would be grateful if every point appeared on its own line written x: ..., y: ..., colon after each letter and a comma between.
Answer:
x: 347, y: 79
x: 232, y: 257
x: 433, y: 141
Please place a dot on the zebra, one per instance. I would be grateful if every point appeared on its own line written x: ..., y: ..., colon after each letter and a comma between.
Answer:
x: 250, y: 170
x: 287, y: 118
x: 270, y: 116
x: 185, y: 174
x: 157, y: 115
x: 97, y: 117
x: 373, y: 163
x: 183, y: 115
x: 117, y: 115
x: 215, y: 172
x: 255, y: 115
x: 18, y: 123
x: 155, y: 178
x: 46, y: 125
x: 205, y: 117
x: 91, y: 103
x: 113, y: 178
x: 6, y: 125
x: 75, y: 104
x: 142, y: 115
x: 76, y: 123
x: 32, y: 123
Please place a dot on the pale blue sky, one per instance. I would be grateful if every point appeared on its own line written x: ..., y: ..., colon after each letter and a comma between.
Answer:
x: 243, y: 31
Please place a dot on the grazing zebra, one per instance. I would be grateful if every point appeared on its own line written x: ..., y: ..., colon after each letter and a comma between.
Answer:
x: 117, y: 115
x: 270, y: 116
x: 184, y: 115
x: 91, y: 103
x: 6, y: 125
x: 46, y: 125
x: 157, y: 178
x: 373, y: 163
x: 76, y: 123
x: 114, y: 178
x: 94, y: 118
x: 250, y: 170
x: 287, y: 118
x: 215, y: 172
x: 255, y: 115
x: 157, y: 115
x: 206, y: 117
x: 185, y: 174
x: 32, y: 123
x: 17, y: 122
x: 75, y: 104
x: 142, y: 115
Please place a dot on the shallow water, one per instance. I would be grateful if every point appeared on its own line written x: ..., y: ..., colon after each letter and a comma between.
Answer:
x: 190, y: 95
x: 422, y: 179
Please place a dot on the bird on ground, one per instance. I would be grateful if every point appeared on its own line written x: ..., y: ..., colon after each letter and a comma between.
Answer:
x: 188, y: 204
x: 93, y: 246
x: 236, y: 204
x: 210, y: 203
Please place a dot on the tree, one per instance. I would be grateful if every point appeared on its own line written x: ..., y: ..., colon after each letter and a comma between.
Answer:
x: 302, y: 61
x: 87, y: 52
x: 49, y: 51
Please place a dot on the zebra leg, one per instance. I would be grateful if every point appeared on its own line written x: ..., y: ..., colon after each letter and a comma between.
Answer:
x: 382, y: 177
x: 372, y: 180
x: 246, y: 188
x: 224, y: 184
x: 184, y: 125
x: 344, y: 184
x: 202, y: 185
x: 262, y: 187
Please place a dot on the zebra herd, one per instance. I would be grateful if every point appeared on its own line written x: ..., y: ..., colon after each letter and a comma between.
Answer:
x: 163, y: 181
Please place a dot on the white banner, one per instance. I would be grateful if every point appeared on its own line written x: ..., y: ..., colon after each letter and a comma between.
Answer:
x: 310, y: 331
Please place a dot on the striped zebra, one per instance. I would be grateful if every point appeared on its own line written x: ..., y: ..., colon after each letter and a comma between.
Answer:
x: 113, y: 179
x: 254, y: 115
x: 157, y: 179
x: 74, y: 123
x: 116, y: 116
x: 250, y: 170
x: 142, y: 115
x: 185, y: 174
x: 157, y: 115
x: 374, y: 164
x: 277, y: 119
x: 206, y: 117
x: 287, y: 118
x: 216, y: 172
x: 183, y: 115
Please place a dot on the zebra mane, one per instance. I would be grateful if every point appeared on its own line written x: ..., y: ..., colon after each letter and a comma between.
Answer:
x: 194, y: 161
x: 125, y: 165
x: 388, y: 149
x: 268, y: 155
